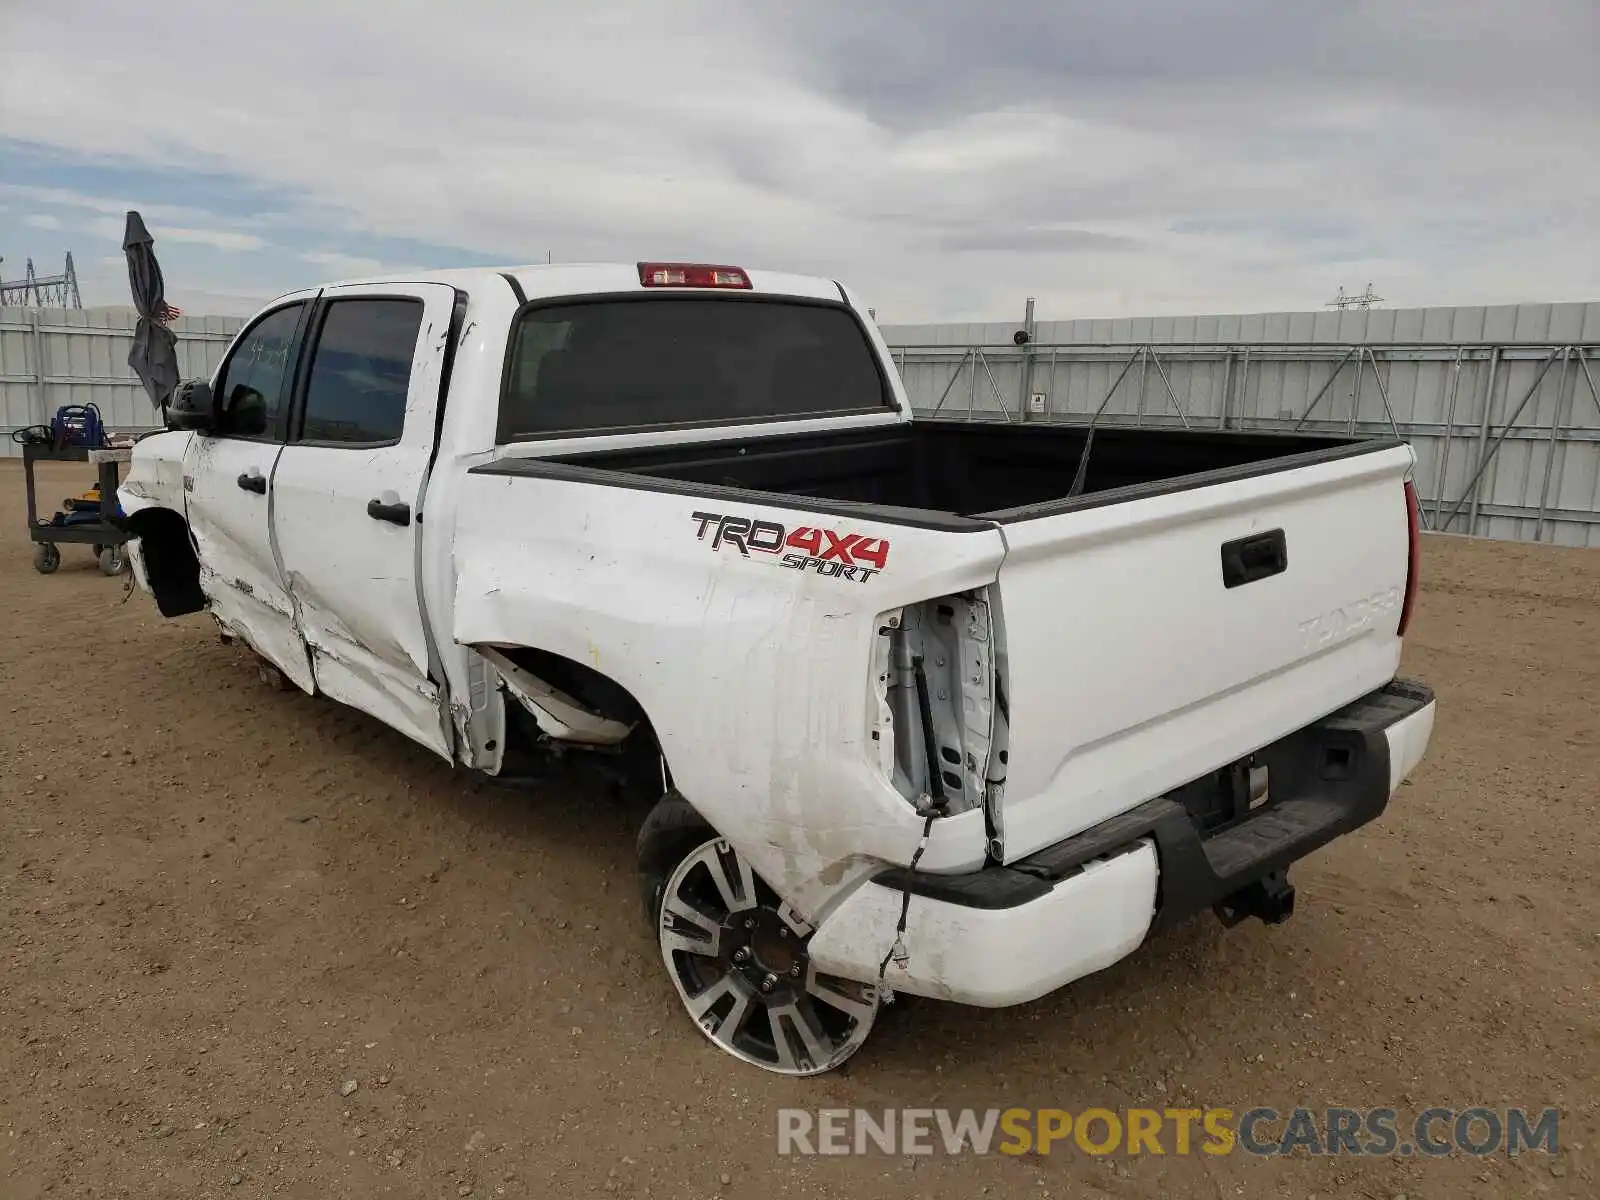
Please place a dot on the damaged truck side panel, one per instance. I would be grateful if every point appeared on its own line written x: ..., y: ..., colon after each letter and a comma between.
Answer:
x: 922, y: 713
x: 802, y: 782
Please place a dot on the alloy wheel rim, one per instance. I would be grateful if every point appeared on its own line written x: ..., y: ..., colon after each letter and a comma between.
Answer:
x: 739, y: 959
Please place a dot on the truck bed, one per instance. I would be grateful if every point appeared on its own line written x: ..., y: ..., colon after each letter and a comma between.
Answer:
x: 1232, y: 585
x: 956, y: 468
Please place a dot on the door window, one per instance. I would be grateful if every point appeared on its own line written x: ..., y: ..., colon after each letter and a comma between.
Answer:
x: 253, y: 387
x: 361, y: 372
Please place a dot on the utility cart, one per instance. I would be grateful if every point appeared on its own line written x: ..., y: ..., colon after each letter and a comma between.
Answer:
x: 83, y: 522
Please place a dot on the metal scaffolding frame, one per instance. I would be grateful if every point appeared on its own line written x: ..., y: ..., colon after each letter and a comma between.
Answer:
x: 34, y: 290
x: 1446, y: 507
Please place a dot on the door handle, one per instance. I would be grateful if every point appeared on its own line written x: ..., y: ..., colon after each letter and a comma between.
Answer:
x: 395, y: 514
x: 254, y: 481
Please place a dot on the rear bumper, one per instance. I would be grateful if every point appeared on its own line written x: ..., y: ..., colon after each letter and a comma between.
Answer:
x: 1005, y: 935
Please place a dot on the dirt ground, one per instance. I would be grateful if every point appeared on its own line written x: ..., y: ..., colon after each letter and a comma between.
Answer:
x: 219, y: 903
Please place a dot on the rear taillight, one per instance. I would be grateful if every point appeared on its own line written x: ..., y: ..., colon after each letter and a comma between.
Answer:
x: 691, y: 275
x: 1413, y: 554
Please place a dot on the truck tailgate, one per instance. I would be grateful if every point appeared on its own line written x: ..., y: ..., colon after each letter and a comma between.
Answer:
x: 1152, y: 640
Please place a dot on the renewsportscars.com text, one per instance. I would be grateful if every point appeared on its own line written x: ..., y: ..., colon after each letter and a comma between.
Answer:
x: 1266, y: 1132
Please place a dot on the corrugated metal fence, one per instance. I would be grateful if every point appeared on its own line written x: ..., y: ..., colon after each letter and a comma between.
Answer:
x: 1500, y: 402
x: 51, y: 357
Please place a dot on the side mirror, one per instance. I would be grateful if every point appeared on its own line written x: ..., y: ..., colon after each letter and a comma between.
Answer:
x: 191, y: 408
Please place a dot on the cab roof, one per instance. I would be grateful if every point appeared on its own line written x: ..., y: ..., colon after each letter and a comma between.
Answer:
x: 542, y: 280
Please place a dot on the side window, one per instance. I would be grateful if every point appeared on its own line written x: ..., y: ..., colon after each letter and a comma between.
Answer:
x: 361, y: 371
x: 253, y: 389
x: 535, y: 339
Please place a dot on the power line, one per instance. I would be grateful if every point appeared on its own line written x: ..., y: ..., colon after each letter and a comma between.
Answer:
x: 43, y: 291
x: 1365, y: 300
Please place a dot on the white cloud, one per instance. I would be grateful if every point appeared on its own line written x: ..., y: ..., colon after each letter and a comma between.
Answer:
x: 946, y: 166
x: 55, y: 197
x: 227, y: 240
x: 106, y: 228
x: 42, y: 220
x: 342, y: 264
x: 222, y: 239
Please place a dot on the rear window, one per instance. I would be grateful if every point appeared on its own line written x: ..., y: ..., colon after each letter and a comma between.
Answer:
x: 654, y: 361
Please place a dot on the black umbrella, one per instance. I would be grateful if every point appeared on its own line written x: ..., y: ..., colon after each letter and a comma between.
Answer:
x: 154, y: 357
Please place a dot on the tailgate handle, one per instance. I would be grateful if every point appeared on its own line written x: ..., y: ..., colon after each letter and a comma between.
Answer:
x: 1258, y: 556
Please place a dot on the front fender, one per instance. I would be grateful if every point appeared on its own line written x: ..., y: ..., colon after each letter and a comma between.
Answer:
x: 154, y: 478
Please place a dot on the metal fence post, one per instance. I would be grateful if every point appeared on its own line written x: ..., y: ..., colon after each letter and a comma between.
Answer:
x: 995, y: 388
x: 1483, y: 438
x: 39, y: 384
x: 1355, y: 398
x: 1505, y: 431
x: 1050, y: 392
x: 1441, y: 478
x: 1026, y: 371
x: 1243, y: 389
x: 1225, y: 400
x: 1550, y: 452
x: 951, y: 382
x: 1321, y: 391
x: 972, y: 384
x: 1383, y: 394
x: 1150, y: 353
x: 1144, y: 368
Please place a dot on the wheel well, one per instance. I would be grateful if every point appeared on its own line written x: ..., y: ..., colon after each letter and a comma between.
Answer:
x: 595, y: 691
x: 170, y: 564
x: 640, y: 758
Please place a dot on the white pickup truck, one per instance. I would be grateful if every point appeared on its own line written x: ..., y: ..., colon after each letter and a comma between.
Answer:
x: 936, y: 708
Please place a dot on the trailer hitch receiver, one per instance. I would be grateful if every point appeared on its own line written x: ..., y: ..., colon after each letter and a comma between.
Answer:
x: 1270, y: 899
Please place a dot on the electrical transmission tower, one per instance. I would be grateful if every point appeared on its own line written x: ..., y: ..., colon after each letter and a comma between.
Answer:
x: 1365, y: 300
x: 43, y: 291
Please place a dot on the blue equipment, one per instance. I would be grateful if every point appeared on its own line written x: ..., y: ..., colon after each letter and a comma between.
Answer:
x: 77, y: 425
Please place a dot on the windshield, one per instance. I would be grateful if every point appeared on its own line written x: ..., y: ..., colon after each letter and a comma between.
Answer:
x: 668, y: 360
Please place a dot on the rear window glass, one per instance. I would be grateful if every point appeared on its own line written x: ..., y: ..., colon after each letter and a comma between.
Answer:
x: 621, y: 364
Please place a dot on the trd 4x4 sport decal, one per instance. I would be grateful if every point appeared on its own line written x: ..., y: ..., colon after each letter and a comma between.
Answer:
x: 852, y: 556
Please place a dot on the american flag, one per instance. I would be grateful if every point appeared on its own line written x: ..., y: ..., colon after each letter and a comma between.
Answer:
x: 168, y: 312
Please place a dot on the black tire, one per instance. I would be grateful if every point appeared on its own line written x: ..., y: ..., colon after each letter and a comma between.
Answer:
x: 46, y: 557
x: 671, y: 830
x: 113, y: 560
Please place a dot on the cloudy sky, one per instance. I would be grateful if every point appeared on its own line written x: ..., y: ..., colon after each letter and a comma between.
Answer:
x: 948, y: 158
